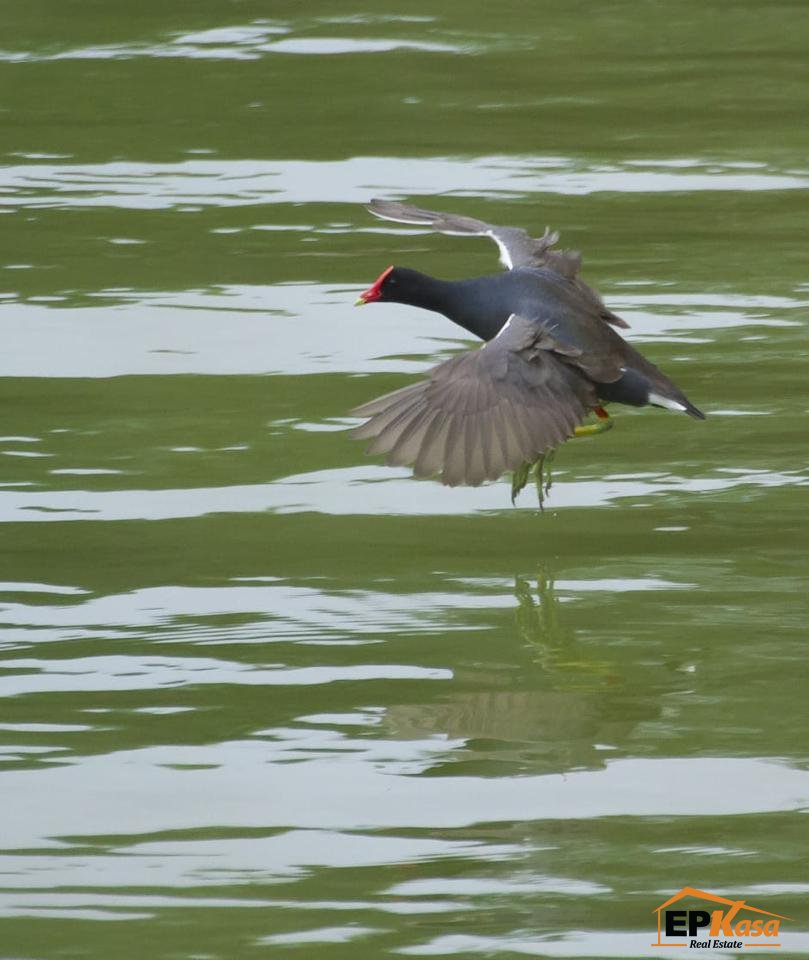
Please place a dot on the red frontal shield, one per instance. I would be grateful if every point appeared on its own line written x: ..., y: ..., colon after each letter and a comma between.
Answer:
x: 374, y: 292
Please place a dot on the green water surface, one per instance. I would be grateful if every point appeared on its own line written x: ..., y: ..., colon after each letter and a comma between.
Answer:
x: 265, y: 696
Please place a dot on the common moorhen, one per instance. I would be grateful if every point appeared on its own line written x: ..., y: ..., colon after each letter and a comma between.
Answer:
x: 552, y: 355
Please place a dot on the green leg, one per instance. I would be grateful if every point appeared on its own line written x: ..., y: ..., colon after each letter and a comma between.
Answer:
x: 518, y: 480
x: 542, y: 476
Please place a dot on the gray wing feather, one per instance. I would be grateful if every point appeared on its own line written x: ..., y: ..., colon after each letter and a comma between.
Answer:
x: 442, y: 222
x: 517, y: 247
x: 482, y: 412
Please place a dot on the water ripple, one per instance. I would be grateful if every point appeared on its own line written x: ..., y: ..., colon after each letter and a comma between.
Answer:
x: 107, y: 673
x: 277, y: 612
x: 256, y: 329
x: 252, y: 42
x: 366, y: 490
x: 230, y: 183
x: 227, y: 785
x: 589, y: 943
x: 191, y: 863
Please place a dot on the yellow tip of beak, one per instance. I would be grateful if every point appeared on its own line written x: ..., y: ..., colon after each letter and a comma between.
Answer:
x: 360, y: 302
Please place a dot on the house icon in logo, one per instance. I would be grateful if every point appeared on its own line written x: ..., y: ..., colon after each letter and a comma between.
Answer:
x: 729, y: 926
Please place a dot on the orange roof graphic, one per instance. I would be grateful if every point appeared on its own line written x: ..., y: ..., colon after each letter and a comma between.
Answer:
x: 714, y: 898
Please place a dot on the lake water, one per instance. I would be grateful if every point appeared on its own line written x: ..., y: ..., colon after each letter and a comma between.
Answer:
x: 263, y: 695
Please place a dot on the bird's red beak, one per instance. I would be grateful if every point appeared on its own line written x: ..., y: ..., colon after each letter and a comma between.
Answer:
x: 374, y: 292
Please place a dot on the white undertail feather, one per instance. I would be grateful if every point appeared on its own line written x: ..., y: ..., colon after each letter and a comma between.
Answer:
x: 667, y: 402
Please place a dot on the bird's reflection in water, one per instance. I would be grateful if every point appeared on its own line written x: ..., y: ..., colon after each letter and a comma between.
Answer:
x: 551, y: 641
x: 562, y: 708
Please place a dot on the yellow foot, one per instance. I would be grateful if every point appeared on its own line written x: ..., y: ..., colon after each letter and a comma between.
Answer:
x: 603, y: 424
x: 591, y: 429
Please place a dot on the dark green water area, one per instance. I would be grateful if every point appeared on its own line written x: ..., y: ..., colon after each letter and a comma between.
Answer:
x: 263, y: 695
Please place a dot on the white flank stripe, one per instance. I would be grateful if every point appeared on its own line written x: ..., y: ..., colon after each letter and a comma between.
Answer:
x: 505, y: 256
x: 505, y: 327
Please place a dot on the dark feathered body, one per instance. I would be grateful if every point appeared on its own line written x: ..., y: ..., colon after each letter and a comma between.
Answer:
x: 576, y: 317
x: 552, y: 354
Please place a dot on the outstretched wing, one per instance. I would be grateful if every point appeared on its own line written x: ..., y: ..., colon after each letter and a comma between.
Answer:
x: 482, y: 412
x: 517, y: 247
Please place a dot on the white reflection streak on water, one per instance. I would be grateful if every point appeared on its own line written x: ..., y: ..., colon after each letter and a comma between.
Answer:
x: 282, y: 611
x: 368, y: 490
x: 150, y: 186
x: 250, y: 42
x: 192, y: 862
x: 132, y: 672
x: 141, y: 791
x: 259, y: 329
x: 590, y: 943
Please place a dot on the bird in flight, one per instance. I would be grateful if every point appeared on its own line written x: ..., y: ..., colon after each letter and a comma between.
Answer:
x: 552, y: 355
